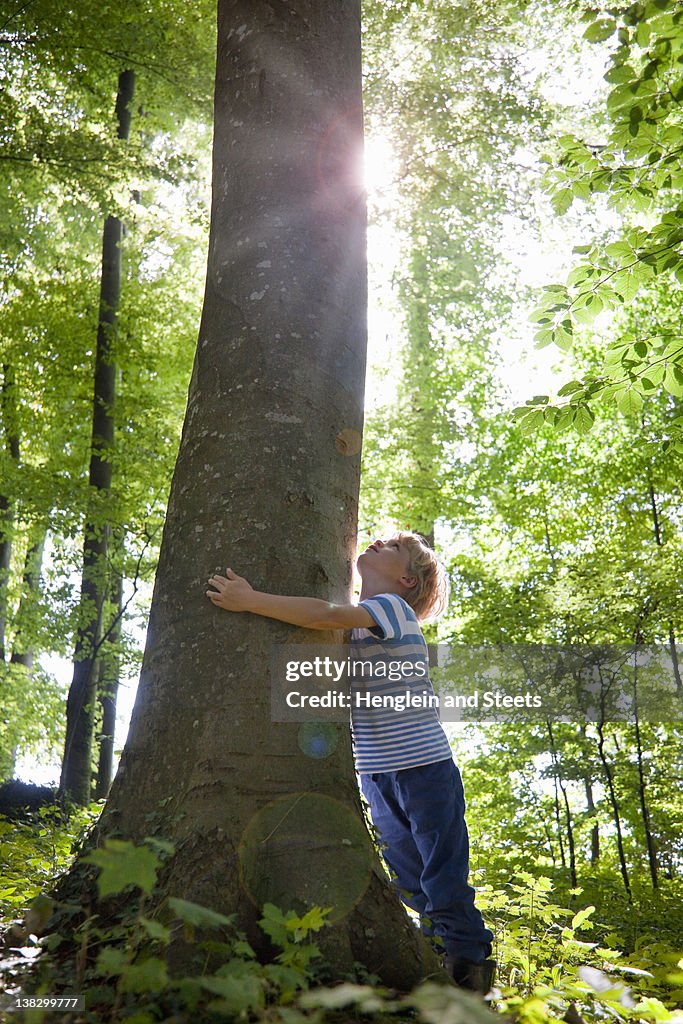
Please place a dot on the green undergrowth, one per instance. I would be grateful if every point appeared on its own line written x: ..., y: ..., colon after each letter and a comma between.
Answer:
x: 554, y: 959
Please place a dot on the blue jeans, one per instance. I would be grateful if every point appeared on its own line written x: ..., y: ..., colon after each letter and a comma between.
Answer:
x: 419, y: 814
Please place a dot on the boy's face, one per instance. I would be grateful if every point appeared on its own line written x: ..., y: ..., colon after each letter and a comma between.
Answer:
x: 387, y: 561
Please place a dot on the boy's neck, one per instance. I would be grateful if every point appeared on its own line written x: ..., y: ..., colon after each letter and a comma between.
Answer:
x: 370, y: 589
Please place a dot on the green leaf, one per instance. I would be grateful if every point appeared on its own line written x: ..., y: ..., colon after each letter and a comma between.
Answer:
x: 673, y: 348
x: 312, y: 921
x: 242, y: 949
x: 600, y: 30
x: 155, y: 929
x: 630, y: 402
x: 199, y: 916
x: 627, y: 285
x: 238, y: 994
x: 111, y: 961
x: 619, y: 250
x: 531, y: 423
x: 121, y: 864
x: 163, y: 845
x: 583, y: 420
x: 655, y: 374
x: 569, y: 388
x: 673, y: 381
x: 150, y: 975
x: 619, y: 73
x: 582, y: 916
x: 562, y: 200
x: 365, y: 997
x: 566, y: 418
x: 274, y: 924
x: 543, y: 338
x: 620, y: 97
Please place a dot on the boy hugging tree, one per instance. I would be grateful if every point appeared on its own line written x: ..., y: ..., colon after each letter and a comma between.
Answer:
x: 404, y: 761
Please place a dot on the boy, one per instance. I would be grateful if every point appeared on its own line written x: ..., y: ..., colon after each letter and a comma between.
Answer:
x: 404, y: 759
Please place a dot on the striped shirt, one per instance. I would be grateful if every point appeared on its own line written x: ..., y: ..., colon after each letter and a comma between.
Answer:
x: 394, y: 714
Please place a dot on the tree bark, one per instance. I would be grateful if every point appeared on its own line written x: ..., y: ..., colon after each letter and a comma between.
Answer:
x: 417, y: 399
x: 10, y: 429
x: 23, y: 645
x: 642, y: 787
x: 108, y: 685
x: 80, y: 710
x: 267, y: 482
x: 558, y: 818
x: 567, y: 812
x: 659, y: 541
x: 592, y: 810
x: 615, y: 808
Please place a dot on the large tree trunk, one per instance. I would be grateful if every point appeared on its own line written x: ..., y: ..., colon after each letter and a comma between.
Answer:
x: 267, y: 482
x: 80, y: 709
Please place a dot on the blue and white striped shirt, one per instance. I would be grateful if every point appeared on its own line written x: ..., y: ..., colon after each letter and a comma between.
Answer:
x: 403, y: 729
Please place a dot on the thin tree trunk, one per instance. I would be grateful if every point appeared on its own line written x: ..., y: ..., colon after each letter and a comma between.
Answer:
x: 108, y: 685
x: 10, y: 429
x: 558, y: 821
x: 567, y: 811
x: 592, y: 811
x: 659, y: 542
x: 417, y: 397
x: 615, y: 808
x: 267, y: 482
x: 23, y: 646
x: 80, y: 711
x: 642, y: 796
x: 595, y: 828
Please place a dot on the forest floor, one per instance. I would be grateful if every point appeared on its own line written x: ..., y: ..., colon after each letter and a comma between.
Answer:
x: 582, y: 954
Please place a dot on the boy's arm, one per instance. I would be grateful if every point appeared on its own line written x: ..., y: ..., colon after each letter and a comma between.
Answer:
x: 236, y: 595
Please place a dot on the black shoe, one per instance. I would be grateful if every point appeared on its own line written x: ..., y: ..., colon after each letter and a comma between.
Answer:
x: 475, y: 977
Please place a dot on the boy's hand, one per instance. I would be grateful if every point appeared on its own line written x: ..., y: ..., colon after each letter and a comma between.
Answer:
x: 232, y: 592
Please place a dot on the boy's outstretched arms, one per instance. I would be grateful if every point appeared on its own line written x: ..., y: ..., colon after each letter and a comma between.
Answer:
x: 233, y: 593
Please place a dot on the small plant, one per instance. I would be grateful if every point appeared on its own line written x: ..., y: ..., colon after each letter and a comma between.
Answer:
x: 122, y: 966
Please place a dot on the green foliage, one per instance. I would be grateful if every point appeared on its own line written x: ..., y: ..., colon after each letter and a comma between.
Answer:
x: 456, y: 115
x: 550, y: 956
x: 64, y: 172
x: 32, y: 713
x: 122, y: 864
x: 132, y: 952
x: 195, y: 916
x: 34, y: 851
x: 565, y: 525
x: 636, y: 170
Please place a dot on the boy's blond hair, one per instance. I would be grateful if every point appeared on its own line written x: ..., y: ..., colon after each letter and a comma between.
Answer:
x: 429, y: 597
